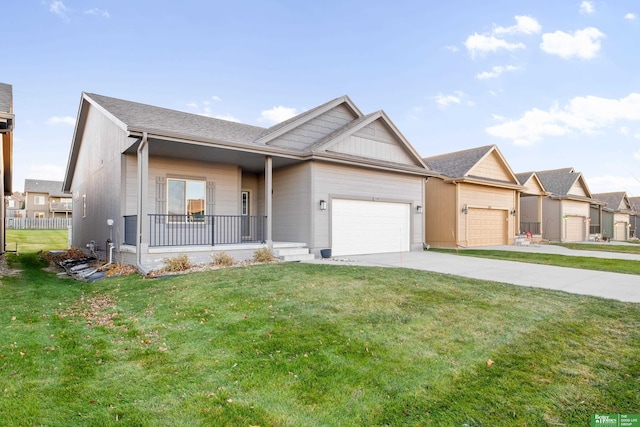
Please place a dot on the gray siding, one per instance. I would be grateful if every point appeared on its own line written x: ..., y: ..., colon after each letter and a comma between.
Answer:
x: 551, y: 214
x: 340, y: 181
x: 97, y: 175
x: 292, y: 204
x: 314, y: 130
x: 528, y: 209
x: 374, y: 141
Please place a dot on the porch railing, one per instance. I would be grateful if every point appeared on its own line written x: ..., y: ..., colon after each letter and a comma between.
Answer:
x: 533, y: 227
x: 190, y: 230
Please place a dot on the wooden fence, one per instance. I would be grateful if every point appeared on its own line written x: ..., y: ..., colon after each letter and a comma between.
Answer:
x: 37, y: 223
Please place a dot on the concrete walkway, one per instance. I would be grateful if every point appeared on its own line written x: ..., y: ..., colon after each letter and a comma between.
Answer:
x: 622, y: 287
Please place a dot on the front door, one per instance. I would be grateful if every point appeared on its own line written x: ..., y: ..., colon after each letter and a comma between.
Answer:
x: 245, y: 213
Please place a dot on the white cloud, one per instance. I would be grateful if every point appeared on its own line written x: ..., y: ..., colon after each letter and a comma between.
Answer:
x: 192, y: 105
x: 227, y: 117
x: 452, y: 48
x: 524, y: 25
x: 630, y: 16
x: 480, y: 44
x: 58, y: 8
x: 587, y: 7
x: 96, y: 11
x: 607, y: 183
x: 277, y: 114
x: 584, y: 44
x: 216, y: 98
x: 57, y: 120
x: 446, y: 100
x: 495, y: 72
x: 624, y: 130
x: 586, y: 115
x: 48, y: 172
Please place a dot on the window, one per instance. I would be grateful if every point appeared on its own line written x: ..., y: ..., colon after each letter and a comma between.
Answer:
x: 39, y: 200
x: 186, y: 200
x: 84, y: 206
x: 38, y: 214
x: 12, y: 203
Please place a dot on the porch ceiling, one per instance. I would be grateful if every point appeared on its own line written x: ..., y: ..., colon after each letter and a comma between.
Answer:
x: 249, y: 161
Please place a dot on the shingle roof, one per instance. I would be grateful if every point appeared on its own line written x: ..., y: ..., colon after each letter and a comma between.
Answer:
x: 613, y: 199
x: 558, y: 181
x: 53, y: 188
x: 6, y: 98
x: 143, y: 117
x: 457, y: 164
x: 524, y: 177
x: 635, y: 201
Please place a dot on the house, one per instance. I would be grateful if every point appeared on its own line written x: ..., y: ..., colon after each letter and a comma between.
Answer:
x: 7, y: 121
x: 634, y: 218
x: 156, y: 183
x: 566, y: 212
x: 618, y: 223
x: 531, y: 220
x: 473, y: 201
x: 45, y: 199
x: 15, y: 205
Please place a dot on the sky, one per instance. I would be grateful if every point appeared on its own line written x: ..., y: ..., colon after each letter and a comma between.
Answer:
x: 553, y: 84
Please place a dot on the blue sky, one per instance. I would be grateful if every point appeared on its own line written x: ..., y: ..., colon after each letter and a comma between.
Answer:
x: 553, y: 83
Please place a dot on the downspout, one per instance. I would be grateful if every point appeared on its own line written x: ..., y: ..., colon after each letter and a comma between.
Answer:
x: 143, y: 144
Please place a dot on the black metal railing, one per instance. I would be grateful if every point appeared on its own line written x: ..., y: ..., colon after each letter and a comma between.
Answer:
x: 130, y: 229
x: 190, y: 230
x: 594, y: 229
x: 532, y: 227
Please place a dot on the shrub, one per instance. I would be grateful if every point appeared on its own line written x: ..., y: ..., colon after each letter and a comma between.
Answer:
x: 223, y: 259
x: 177, y: 263
x: 263, y: 255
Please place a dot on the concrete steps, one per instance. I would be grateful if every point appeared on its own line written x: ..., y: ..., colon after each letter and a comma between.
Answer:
x: 292, y: 254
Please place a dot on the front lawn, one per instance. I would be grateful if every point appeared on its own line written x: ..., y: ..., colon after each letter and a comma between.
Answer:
x: 35, y: 240
x: 603, y: 247
x: 309, y: 345
x: 587, y: 263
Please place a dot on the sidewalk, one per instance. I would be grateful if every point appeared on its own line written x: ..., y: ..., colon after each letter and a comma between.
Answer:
x: 622, y: 287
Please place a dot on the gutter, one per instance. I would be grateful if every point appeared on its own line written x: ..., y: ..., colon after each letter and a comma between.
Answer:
x: 143, y: 143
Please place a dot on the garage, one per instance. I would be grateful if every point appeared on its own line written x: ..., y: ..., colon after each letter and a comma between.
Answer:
x: 574, y: 229
x: 487, y: 227
x: 620, y: 231
x: 368, y: 227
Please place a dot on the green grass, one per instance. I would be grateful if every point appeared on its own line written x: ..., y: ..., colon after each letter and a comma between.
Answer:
x: 604, y: 247
x: 304, y: 345
x: 35, y: 240
x: 587, y: 263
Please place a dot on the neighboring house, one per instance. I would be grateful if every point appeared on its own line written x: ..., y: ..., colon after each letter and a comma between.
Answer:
x: 621, y: 208
x: 15, y: 205
x: 173, y: 182
x: 634, y: 218
x: 45, y: 199
x: 531, y: 219
x: 566, y: 212
x: 7, y: 120
x: 474, y: 201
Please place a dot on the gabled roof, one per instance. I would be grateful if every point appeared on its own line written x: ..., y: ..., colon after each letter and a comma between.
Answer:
x: 460, y: 165
x: 526, y: 177
x: 52, y: 188
x: 559, y: 182
x: 635, y: 202
x: 616, y: 201
x: 137, y: 117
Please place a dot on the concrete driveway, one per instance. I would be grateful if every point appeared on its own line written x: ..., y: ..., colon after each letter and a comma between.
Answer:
x: 622, y: 287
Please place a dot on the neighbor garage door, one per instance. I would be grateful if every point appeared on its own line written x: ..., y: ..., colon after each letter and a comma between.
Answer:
x: 487, y: 227
x: 574, y: 229
x: 620, y: 231
x: 366, y: 227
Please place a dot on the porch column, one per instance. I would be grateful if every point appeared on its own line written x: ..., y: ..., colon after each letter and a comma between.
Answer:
x: 268, y: 197
x: 540, y: 214
x: 142, y: 240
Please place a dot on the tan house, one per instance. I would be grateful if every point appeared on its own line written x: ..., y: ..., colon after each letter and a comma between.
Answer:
x: 474, y: 200
x: 45, y: 199
x: 621, y: 210
x: 15, y: 205
x: 531, y: 219
x: 566, y: 212
x: 7, y: 120
x: 160, y: 182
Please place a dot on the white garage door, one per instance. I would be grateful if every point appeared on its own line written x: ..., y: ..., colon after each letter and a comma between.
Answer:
x: 487, y: 227
x: 364, y: 227
x: 620, y: 231
x: 574, y: 229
